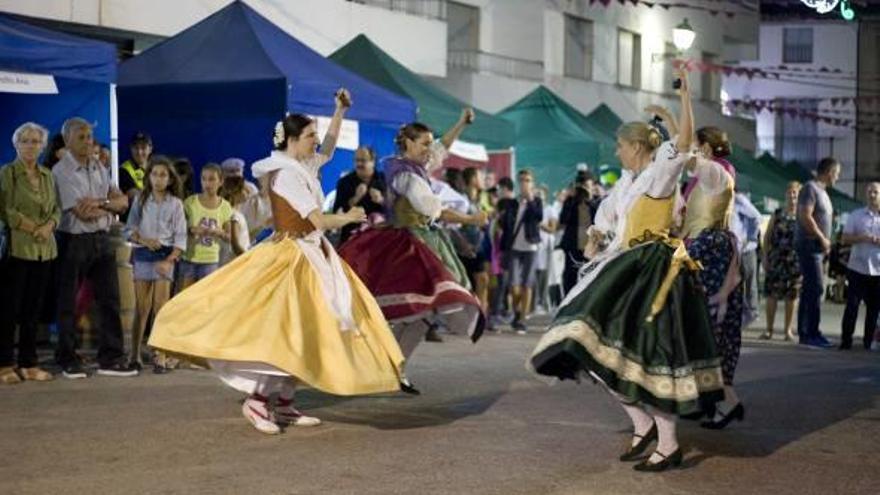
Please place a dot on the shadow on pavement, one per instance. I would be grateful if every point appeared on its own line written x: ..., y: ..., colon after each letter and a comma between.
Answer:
x: 783, y: 410
x: 396, y: 412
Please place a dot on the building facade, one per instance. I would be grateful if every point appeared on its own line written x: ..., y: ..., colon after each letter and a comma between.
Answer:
x: 490, y: 53
x: 797, y: 50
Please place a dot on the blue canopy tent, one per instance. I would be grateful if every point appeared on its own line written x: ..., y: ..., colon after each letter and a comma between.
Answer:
x: 217, y: 89
x: 82, y: 70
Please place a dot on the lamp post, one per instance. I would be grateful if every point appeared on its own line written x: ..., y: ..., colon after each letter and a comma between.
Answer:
x: 683, y: 36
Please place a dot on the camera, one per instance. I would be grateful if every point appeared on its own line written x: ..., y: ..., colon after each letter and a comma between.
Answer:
x: 676, y: 84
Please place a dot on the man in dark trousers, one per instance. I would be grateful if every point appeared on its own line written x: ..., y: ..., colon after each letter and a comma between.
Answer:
x: 576, y: 217
x: 364, y: 187
x: 813, y: 242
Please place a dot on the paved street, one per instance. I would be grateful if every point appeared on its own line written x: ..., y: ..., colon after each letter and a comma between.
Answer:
x: 483, y: 426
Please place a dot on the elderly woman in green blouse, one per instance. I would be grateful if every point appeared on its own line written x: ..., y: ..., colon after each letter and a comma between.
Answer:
x: 29, y: 207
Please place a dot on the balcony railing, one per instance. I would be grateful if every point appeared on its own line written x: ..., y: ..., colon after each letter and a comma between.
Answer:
x: 432, y: 9
x: 477, y: 61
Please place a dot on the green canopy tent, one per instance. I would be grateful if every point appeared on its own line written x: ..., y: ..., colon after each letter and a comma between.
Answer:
x: 764, y: 185
x: 603, y: 119
x: 552, y: 137
x: 436, y: 108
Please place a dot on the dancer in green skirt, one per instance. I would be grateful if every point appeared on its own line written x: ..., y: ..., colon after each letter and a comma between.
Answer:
x: 638, y: 321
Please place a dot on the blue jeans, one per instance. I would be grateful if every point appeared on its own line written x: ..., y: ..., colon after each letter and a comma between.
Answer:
x: 812, y: 291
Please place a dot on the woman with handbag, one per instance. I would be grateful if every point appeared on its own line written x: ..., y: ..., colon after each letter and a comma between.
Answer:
x: 29, y: 206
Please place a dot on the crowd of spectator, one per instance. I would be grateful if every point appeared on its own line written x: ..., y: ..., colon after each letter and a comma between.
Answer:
x: 66, y: 225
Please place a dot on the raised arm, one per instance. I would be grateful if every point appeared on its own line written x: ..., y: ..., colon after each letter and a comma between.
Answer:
x: 466, y: 118
x: 343, y: 102
x: 686, y: 119
x: 668, y: 118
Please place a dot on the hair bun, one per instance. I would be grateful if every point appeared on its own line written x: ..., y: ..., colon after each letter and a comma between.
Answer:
x: 654, y: 138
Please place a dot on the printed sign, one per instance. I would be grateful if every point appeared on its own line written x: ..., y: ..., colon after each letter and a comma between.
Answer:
x: 348, y: 134
x: 35, y: 84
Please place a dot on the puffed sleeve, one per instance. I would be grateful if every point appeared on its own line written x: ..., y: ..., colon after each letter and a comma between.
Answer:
x: 668, y: 164
x: 438, y: 154
x: 711, y: 176
x: 295, y: 190
x: 419, y: 194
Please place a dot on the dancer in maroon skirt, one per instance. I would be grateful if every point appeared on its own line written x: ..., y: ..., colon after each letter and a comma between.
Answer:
x: 409, y: 264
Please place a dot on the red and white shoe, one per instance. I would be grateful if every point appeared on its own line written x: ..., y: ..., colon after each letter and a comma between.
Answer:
x: 256, y: 411
x: 284, y: 412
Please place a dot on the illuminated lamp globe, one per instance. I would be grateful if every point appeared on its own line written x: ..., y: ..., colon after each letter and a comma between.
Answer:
x: 683, y: 36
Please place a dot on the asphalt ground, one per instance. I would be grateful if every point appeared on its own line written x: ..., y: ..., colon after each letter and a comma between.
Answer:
x: 483, y: 425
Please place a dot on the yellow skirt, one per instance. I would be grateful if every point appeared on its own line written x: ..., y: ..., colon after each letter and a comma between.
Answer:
x: 267, y: 306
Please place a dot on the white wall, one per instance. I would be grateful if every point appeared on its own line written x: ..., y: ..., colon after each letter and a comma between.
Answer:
x: 534, y: 30
x: 840, y: 54
x: 323, y: 25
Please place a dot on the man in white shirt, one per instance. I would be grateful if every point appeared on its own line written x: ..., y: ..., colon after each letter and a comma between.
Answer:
x: 862, y: 231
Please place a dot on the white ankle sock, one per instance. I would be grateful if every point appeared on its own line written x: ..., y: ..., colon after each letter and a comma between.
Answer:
x: 667, y: 440
x: 724, y: 407
x: 640, y: 418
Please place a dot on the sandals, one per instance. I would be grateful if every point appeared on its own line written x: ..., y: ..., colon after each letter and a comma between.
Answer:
x: 8, y: 376
x: 766, y: 336
x: 36, y: 374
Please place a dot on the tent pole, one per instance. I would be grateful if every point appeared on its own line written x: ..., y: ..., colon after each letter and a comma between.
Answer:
x: 513, y: 163
x: 114, y: 136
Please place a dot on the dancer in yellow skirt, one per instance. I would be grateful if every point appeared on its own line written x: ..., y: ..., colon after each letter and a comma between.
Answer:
x: 290, y: 310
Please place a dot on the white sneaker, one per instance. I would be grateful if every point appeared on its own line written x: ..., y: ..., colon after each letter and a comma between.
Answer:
x: 285, y: 412
x: 256, y: 412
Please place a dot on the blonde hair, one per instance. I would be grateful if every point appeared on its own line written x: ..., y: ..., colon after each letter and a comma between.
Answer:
x: 640, y: 133
x: 30, y: 127
x: 793, y: 185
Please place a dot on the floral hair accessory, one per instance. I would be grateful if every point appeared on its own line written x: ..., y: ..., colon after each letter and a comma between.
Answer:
x: 278, y: 136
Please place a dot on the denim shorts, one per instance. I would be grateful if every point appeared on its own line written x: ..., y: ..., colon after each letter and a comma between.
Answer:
x: 146, y: 270
x: 520, y: 267
x: 196, y: 271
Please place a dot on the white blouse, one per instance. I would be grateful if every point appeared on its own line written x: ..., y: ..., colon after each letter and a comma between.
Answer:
x: 417, y: 190
x: 296, y: 181
x: 658, y: 180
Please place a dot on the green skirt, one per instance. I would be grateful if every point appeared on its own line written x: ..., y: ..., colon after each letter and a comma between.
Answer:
x: 668, y: 361
x: 438, y: 241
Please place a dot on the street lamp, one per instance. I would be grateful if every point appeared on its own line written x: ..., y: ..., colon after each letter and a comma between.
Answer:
x: 683, y: 36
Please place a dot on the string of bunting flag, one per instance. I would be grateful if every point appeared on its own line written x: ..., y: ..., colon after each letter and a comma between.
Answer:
x: 712, y: 10
x: 694, y: 65
x: 834, y: 100
x: 758, y: 106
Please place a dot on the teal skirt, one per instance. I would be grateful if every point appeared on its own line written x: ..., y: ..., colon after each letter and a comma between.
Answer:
x: 607, y: 329
x: 439, y: 243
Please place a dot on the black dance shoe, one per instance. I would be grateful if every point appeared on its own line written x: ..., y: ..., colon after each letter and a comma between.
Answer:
x: 407, y: 387
x: 638, y: 449
x: 738, y: 413
x: 672, y: 460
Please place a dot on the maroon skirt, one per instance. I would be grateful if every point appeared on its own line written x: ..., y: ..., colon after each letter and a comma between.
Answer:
x: 409, y: 281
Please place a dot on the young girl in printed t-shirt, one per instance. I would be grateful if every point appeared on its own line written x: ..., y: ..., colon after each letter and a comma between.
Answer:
x: 208, y: 219
x: 157, y: 225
